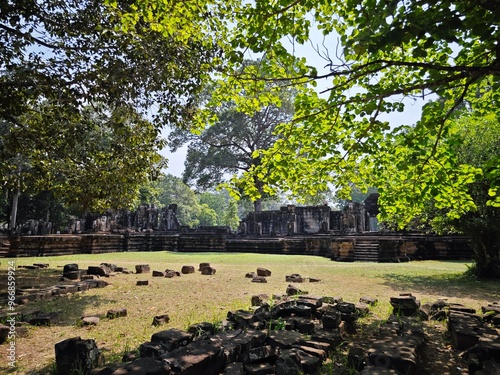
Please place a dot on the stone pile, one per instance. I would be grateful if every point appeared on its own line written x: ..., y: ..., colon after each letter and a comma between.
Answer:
x: 297, y: 278
x: 395, y: 349
x: 477, y: 335
x: 35, y: 294
x: 72, y: 272
x: 260, y: 275
x: 281, y: 335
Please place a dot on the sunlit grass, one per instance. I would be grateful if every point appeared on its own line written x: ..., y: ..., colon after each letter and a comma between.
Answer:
x: 195, y: 298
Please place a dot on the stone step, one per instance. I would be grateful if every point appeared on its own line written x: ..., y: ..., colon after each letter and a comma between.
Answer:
x: 366, y: 251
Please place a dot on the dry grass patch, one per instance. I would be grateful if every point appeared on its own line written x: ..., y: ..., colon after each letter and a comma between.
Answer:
x: 194, y: 298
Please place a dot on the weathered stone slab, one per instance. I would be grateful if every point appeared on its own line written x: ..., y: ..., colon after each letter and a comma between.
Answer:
x: 44, y: 319
x: 259, y: 354
x: 96, y: 283
x: 116, y: 313
x: 159, y: 320
x: 325, y: 346
x: 208, y: 270
x: 111, y: 266
x: 77, y: 355
x: 405, y: 304
x: 172, y: 338
x: 259, y: 369
x: 302, y: 325
x: 332, y: 337
x: 234, y: 368
x: 294, y: 278
x: 261, y: 271
x: 142, y: 268
x: 356, y: 358
x: 98, y: 270
x: 331, y: 320
x: 259, y: 299
x: 142, y: 282
x: 238, y: 341
x: 491, y: 308
x: 332, y: 300
x: 321, y: 354
x: 152, y: 350
x: 288, y: 308
x: 201, y: 328
x: 90, y: 320
x: 73, y: 275
x: 292, y: 290
x: 70, y: 268
x: 203, y: 265
x: 171, y: 273
x: 158, y: 274
x: 187, y: 270
x: 202, y: 357
x: 368, y: 300
x: 259, y: 279
x: 286, y: 364
x: 284, y: 339
x: 461, y: 308
x: 309, y: 364
x: 314, y: 302
x: 144, y: 366
x: 242, y: 318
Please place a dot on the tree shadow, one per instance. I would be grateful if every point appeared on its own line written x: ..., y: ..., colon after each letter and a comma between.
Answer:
x: 30, y: 278
x: 69, y: 307
x: 445, y: 284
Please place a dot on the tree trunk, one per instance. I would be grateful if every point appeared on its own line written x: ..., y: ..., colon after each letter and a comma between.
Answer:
x: 13, y: 212
x: 257, y: 205
x: 485, y: 244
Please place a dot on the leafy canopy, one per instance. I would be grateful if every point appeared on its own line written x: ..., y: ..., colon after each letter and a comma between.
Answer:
x: 61, y: 60
x: 388, y: 54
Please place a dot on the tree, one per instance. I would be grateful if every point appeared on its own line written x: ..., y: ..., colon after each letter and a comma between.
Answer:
x: 472, y: 141
x: 92, y: 159
x: 60, y: 58
x: 207, y: 216
x: 228, y: 146
x: 225, y: 207
x: 174, y: 191
x: 389, y: 53
x: 231, y: 215
x: 75, y: 52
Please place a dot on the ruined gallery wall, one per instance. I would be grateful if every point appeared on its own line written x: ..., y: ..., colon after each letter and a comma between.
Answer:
x: 340, y: 248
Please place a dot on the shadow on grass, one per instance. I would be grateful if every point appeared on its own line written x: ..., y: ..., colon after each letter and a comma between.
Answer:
x: 26, y: 278
x: 444, y: 284
x: 70, y: 308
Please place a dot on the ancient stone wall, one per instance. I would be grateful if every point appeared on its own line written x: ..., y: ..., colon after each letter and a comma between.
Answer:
x: 381, y: 248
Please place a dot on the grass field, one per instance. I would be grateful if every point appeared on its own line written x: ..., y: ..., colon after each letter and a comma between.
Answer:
x: 195, y: 298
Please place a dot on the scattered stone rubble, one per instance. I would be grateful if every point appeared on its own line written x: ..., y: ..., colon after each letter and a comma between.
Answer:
x: 294, y: 334
x: 73, y: 280
x: 290, y: 334
x: 477, y: 335
x: 279, y: 335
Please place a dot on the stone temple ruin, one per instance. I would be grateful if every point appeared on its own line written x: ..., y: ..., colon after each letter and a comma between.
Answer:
x: 355, y: 217
x: 350, y: 234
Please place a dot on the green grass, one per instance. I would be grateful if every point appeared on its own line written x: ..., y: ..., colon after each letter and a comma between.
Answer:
x: 196, y: 298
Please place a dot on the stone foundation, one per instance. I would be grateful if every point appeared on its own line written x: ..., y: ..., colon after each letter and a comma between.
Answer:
x: 377, y: 248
